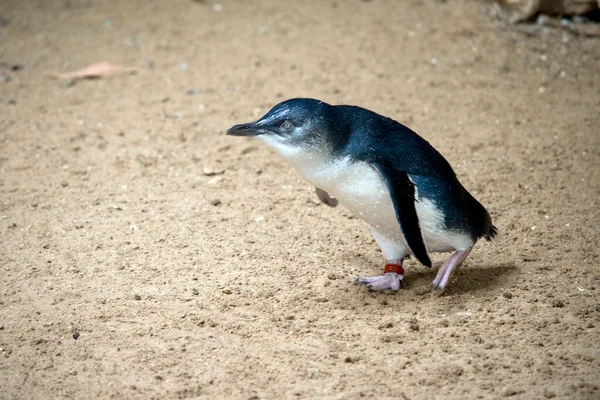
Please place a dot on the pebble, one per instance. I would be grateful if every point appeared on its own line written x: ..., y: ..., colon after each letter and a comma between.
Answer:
x: 558, y: 303
x: 413, y: 325
x: 76, y: 335
x: 211, y: 172
x: 137, y: 297
x: 195, y: 292
x: 512, y: 392
x: 226, y: 291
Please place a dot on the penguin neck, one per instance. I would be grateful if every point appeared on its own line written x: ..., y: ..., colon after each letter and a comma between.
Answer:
x: 313, y: 166
x: 312, y: 163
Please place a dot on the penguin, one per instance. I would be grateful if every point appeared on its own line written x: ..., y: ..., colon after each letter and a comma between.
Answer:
x: 383, y: 172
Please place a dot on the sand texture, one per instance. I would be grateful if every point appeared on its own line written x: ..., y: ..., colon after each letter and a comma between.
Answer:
x: 146, y: 255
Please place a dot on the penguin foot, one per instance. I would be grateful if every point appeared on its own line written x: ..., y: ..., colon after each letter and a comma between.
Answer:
x: 387, y: 281
x: 443, y: 275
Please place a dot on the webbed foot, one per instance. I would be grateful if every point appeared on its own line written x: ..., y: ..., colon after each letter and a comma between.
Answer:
x: 387, y: 281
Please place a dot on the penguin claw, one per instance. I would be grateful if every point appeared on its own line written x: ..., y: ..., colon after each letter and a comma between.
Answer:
x: 388, y: 281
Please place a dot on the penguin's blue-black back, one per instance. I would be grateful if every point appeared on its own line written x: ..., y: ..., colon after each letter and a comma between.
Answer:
x: 380, y: 138
x: 368, y: 136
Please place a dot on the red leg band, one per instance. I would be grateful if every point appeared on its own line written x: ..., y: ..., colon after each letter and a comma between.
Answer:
x: 397, y: 268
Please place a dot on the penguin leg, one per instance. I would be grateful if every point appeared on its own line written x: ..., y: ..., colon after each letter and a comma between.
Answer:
x: 445, y: 270
x: 393, y: 273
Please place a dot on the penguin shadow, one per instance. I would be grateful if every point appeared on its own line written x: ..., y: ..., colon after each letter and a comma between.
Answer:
x: 465, y: 279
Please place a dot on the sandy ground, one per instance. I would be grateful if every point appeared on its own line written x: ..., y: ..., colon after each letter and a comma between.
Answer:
x: 146, y: 255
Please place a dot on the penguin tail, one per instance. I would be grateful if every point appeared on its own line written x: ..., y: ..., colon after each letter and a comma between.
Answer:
x: 481, y: 221
x: 490, y: 231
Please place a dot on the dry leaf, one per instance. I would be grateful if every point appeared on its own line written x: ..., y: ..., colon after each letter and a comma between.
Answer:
x: 98, y: 70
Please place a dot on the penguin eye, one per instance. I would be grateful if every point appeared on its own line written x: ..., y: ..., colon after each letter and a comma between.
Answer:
x: 286, y: 126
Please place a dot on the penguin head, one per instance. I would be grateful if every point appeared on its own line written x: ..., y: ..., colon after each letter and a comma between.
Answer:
x: 292, y: 127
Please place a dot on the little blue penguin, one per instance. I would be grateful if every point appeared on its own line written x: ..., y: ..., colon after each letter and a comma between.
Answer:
x: 386, y: 174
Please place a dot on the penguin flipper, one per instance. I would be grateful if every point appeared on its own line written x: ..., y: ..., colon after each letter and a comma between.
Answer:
x: 326, y: 198
x: 402, y: 193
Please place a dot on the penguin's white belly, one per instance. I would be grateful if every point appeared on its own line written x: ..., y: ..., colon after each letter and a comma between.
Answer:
x: 361, y: 189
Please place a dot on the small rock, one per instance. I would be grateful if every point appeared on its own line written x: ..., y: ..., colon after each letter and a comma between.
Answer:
x: 512, y: 392
x: 350, y: 360
x: 558, y: 303
x: 64, y: 184
x: 507, y: 295
x: 413, y: 325
x: 195, y: 292
x: 137, y: 297
x: 226, y: 291
x: 549, y: 394
x: 76, y: 335
x: 210, y: 172
x: 215, y: 202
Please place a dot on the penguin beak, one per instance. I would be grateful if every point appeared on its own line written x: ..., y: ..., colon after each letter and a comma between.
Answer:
x: 249, y: 130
